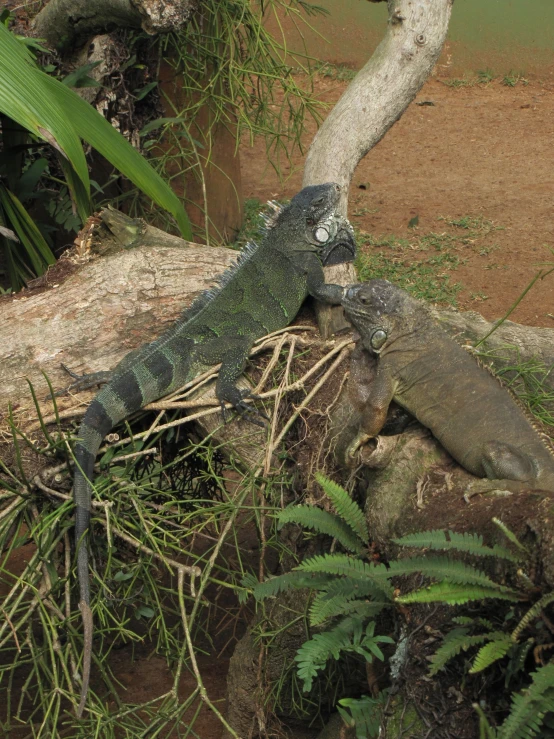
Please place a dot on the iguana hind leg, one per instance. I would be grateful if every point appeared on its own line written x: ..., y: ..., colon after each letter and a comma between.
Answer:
x: 83, y: 382
x: 505, y: 461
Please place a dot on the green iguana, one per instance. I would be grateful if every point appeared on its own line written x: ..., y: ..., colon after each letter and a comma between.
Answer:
x: 426, y: 372
x: 260, y: 294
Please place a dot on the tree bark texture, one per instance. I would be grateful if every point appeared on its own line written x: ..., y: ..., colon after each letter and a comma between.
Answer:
x: 69, y: 23
x: 88, y: 312
x: 380, y: 92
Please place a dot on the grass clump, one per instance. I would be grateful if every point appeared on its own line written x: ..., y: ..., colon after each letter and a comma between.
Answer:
x: 420, y: 266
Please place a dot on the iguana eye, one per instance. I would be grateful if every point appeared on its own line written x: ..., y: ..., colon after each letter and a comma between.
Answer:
x: 310, y: 221
x: 378, y: 338
x: 321, y: 234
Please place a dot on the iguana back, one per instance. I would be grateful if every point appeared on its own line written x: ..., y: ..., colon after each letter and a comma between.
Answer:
x: 468, y: 410
x: 261, y: 294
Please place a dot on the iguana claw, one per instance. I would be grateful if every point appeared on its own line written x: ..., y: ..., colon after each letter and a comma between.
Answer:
x: 246, y: 411
x: 81, y: 382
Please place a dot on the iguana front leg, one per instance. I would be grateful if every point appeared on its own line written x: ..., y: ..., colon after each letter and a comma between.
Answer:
x: 233, y: 358
x: 379, y: 395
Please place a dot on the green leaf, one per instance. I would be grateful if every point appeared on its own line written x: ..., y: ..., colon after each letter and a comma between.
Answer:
x: 143, y: 92
x: 323, y: 522
x: 470, y: 543
x: 454, y: 594
x: 342, y: 564
x: 490, y: 653
x: 144, y: 612
x: 56, y: 114
x: 25, y: 98
x: 443, y: 568
x: 296, y: 580
x: 348, y: 510
x: 100, y: 134
x: 80, y: 77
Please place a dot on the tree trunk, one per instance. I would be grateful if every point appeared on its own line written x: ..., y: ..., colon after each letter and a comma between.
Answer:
x: 380, y: 92
x: 371, y: 104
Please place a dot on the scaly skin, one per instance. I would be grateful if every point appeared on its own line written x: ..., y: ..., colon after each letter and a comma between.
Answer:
x: 261, y: 294
x: 421, y: 368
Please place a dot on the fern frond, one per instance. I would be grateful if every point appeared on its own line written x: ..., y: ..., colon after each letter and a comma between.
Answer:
x: 323, y: 522
x: 530, y: 706
x: 314, y: 653
x: 490, y: 653
x: 470, y: 543
x: 509, y: 534
x: 348, y: 510
x: 443, y: 568
x: 518, y: 657
x: 324, y: 608
x: 456, y: 641
x: 342, y: 564
x: 476, y: 621
x: 454, y: 594
x: 290, y: 580
x: 363, y: 713
x: 532, y: 613
x: 348, y: 636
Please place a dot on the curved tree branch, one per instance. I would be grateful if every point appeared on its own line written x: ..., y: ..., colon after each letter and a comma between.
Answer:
x: 381, y: 91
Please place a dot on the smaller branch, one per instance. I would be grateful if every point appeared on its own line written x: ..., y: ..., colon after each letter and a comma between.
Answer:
x: 201, y: 688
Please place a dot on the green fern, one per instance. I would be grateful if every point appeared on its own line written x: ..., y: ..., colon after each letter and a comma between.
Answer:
x: 510, y: 535
x: 532, y: 613
x: 364, y: 714
x: 323, y: 522
x: 342, y: 564
x: 444, y: 569
x: 491, y: 652
x: 470, y: 543
x: 455, y: 594
x: 275, y: 585
x: 530, y: 706
x: 348, y: 636
x: 456, y: 641
x: 324, y: 607
x: 347, y: 509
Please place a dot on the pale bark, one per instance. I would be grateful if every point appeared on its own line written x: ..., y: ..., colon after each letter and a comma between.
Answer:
x: 106, y: 308
x: 380, y: 92
x: 68, y: 23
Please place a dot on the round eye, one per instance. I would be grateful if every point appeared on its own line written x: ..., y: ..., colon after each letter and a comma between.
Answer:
x: 310, y: 221
x: 321, y: 234
x: 363, y: 298
x: 378, y: 338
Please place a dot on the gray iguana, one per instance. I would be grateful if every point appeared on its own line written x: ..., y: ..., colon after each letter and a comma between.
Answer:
x: 426, y: 372
x: 260, y: 294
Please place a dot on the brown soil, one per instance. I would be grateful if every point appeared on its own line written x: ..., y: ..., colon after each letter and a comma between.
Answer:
x: 481, y: 151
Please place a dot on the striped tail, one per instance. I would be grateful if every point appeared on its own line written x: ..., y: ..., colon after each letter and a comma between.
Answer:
x: 96, y: 424
x: 134, y: 384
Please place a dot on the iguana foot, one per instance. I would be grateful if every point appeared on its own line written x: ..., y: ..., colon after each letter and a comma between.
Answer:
x: 501, y: 488
x: 354, y: 448
x: 82, y: 382
x: 245, y: 410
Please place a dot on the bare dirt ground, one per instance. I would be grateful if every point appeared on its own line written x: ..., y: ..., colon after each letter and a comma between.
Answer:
x: 484, y: 151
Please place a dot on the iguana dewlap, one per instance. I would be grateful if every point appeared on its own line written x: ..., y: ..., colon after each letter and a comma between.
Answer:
x: 420, y: 367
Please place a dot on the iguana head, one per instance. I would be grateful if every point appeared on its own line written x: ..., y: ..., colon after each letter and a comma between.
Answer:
x: 381, y: 312
x: 316, y: 225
